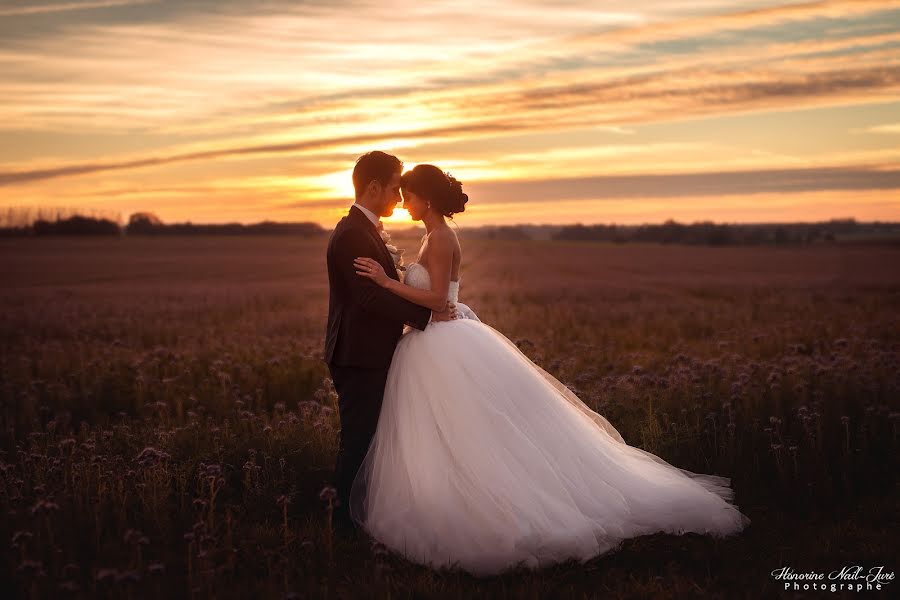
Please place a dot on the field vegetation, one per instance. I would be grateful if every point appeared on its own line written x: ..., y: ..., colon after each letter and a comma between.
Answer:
x: 168, y: 426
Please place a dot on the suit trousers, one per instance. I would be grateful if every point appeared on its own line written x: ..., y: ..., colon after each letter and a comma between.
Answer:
x: 360, y: 393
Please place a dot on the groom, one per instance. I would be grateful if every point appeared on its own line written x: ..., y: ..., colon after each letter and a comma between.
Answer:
x: 365, y: 321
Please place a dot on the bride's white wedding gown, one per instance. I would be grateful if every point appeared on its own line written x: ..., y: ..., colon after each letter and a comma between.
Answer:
x: 483, y: 460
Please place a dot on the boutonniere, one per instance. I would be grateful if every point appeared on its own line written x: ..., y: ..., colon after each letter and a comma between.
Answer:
x: 396, y: 253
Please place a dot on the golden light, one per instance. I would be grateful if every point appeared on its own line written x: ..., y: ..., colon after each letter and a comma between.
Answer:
x: 400, y: 216
x: 338, y: 184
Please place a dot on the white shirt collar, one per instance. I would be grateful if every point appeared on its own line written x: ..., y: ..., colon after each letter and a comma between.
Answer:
x: 372, y: 216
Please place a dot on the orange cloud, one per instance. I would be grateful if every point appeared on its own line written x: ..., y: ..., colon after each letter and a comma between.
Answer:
x: 176, y: 110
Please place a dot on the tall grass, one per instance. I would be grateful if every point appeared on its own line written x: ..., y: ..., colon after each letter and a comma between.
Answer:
x: 169, y: 428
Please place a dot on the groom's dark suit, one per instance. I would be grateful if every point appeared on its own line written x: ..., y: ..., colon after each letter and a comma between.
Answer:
x: 365, y: 322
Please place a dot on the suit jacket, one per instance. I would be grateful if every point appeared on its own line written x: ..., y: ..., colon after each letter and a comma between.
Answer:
x: 365, y: 321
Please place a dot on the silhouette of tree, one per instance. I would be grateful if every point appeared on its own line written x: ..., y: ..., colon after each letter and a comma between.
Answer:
x: 76, y: 225
x: 143, y: 223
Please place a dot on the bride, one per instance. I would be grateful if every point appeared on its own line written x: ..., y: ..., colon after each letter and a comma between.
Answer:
x: 482, y: 459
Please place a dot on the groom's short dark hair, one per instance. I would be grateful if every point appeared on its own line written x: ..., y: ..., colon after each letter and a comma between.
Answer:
x: 374, y: 166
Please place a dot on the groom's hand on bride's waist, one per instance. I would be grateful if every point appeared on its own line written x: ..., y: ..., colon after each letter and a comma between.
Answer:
x: 448, y: 314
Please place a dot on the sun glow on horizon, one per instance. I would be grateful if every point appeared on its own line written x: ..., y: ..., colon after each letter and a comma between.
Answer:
x: 399, y: 217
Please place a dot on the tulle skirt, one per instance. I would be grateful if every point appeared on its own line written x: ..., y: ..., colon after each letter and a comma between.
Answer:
x: 484, y: 461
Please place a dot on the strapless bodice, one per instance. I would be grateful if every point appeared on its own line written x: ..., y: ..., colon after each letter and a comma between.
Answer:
x: 417, y: 276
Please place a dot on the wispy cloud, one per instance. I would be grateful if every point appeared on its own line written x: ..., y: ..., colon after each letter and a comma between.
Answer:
x: 14, y: 177
x: 36, y: 9
x: 743, y: 20
x: 644, y: 99
x: 670, y: 186
x: 314, y: 83
x: 725, y: 183
x: 889, y: 128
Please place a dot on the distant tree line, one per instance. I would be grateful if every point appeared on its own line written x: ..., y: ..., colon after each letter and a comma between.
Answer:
x: 57, y: 220
x: 76, y: 225
x: 704, y: 233
x: 148, y: 224
x: 15, y: 223
x: 718, y: 234
x: 503, y: 232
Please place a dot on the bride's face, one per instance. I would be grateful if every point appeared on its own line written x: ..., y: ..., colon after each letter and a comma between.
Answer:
x: 414, y: 205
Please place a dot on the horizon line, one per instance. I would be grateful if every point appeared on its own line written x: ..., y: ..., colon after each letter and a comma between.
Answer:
x: 399, y: 226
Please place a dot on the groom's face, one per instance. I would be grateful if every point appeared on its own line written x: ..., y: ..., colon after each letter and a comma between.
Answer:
x: 390, y: 196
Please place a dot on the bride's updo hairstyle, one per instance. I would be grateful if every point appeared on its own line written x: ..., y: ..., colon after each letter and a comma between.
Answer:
x: 441, y: 190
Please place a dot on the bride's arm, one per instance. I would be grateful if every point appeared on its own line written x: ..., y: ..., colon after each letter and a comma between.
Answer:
x: 440, y: 262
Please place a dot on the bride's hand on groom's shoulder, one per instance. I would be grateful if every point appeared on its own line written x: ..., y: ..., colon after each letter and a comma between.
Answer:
x: 448, y: 314
x: 371, y: 269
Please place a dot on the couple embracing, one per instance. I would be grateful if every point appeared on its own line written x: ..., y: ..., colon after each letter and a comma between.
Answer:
x: 456, y: 450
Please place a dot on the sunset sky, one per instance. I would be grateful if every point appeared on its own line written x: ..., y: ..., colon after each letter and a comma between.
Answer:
x: 594, y: 112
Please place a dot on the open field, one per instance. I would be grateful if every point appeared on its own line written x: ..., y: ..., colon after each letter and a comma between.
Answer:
x: 167, y: 423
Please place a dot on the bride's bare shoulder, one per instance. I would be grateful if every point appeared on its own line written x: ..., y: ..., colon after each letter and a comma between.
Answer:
x: 445, y: 237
